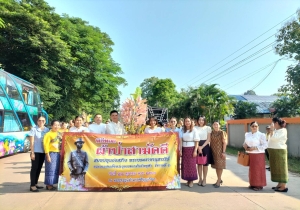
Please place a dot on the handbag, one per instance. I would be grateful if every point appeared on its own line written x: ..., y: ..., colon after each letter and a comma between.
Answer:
x: 243, y: 158
x: 201, y: 160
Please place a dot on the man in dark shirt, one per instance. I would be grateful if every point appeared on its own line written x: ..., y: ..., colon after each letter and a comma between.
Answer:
x: 78, y: 163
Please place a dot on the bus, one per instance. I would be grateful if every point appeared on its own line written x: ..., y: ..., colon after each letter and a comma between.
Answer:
x: 20, y: 105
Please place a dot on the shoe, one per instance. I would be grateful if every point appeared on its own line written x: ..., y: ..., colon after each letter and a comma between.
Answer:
x: 218, y: 185
x: 39, y: 187
x: 36, y: 190
x: 203, y: 185
x: 51, y: 189
x: 191, y: 184
x: 274, y: 188
x: 256, y: 188
x: 199, y: 183
x: 284, y: 190
x: 268, y: 168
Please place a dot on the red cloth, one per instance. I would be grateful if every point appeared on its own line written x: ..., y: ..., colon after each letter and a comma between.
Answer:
x: 257, y: 171
x: 188, y: 164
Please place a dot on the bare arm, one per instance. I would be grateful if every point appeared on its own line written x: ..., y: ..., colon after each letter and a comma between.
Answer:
x: 32, y: 155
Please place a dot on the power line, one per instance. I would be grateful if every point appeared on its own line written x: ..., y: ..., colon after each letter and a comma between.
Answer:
x: 248, y: 76
x: 244, y: 46
x: 265, y: 76
x: 245, y: 59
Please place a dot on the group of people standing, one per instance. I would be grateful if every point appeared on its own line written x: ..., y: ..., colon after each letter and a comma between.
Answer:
x: 274, y: 145
x: 200, y: 145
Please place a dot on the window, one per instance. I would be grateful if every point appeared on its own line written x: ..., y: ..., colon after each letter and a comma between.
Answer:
x: 10, y: 123
x: 11, y: 90
x: 1, y: 121
x: 24, y: 119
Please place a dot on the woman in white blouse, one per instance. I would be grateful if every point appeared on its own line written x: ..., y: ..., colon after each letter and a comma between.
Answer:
x: 189, y: 146
x: 78, y: 125
x: 153, y: 126
x: 204, y: 132
x: 277, y: 149
x: 255, y: 145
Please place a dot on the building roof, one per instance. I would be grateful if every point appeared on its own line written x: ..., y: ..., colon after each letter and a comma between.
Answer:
x: 263, y: 102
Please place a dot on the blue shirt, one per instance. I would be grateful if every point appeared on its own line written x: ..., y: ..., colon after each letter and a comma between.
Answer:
x: 177, y: 130
x: 38, y: 136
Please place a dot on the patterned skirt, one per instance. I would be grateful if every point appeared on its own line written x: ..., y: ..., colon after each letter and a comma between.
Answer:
x: 257, y: 171
x: 206, y: 151
x: 188, y: 164
x: 278, y: 165
x: 52, y: 169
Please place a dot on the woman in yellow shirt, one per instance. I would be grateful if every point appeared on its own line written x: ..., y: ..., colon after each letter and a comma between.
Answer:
x: 52, y: 143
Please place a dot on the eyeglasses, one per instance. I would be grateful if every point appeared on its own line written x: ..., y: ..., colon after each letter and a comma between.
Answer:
x: 254, y: 126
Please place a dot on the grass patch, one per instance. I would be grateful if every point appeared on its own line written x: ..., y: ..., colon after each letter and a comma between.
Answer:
x: 293, y: 162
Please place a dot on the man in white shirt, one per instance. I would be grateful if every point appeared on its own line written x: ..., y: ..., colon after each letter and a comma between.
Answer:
x: 115, y: 127
x: 97, y: 126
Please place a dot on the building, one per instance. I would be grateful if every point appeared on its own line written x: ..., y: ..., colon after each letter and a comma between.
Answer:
x: 263, y: 103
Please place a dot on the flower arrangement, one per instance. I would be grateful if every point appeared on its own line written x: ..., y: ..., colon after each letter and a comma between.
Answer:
x: 134, y: 112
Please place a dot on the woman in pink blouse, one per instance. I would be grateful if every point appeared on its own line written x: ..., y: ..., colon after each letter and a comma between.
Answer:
x: 255, y: 145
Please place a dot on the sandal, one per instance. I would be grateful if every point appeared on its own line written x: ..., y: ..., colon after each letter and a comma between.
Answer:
x: 191, y: 184
x: 51, y: 189
x: 199, y: 183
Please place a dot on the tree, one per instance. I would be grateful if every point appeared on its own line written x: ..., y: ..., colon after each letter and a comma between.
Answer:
x: 68, y: 60
x: 285, y: 107
x: 164, y: 93
x: 250, y: 92
x: 244, y: 110
x: 2, y: 24
x: 147, y: 89
x: 288, y: 45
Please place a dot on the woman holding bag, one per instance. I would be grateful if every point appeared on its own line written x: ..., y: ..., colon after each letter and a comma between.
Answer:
x: 203, y: 149
x: 255, y: 145
x: 218, y: 143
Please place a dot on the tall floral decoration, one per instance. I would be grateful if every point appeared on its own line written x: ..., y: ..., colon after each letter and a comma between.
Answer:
x: 134, y: 112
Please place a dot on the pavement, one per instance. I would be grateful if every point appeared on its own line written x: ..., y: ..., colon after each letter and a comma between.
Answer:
x: 233, y: 194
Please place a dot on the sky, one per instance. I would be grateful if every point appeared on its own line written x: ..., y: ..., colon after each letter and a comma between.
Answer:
x: 224, y: 42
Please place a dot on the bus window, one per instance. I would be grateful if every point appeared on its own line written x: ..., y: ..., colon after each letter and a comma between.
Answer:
x: 34, y: 118
x: 10, y: 122
x: 1, y: 92
x: 23, y: 117
x: 11, y: 90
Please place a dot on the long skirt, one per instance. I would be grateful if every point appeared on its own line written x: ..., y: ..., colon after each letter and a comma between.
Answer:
x: 188, y: 164
x: 257, y: 171
x: 52, y: 169
x: 206, y: 151
x: 278, y: 165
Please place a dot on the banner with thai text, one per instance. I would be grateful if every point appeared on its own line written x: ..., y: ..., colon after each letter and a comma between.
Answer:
x: 117, y: 162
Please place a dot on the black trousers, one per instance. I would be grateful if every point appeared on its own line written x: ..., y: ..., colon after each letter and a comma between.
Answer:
x: 36, y: 167
x: 267, y: 153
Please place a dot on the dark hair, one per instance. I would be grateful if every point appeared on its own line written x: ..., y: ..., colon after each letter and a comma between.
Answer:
x: 156, y: 121
x: 201, y: 116
x: 63, y: 123
x: 254, y: 122
x: 113, y: 111
x: 39, y: 116
x: 97, y: 114
x: 281, y: 122
x: 79, y: 116
x: 173, y: 118
x: 160, y: 123
x: 184, y: 127
x: 53, y: 121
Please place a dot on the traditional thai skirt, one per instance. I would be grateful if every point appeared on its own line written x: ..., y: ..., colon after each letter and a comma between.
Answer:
x: 188, y: 164
x: 278, y: 165
x: 257, y: 170
x: 52, y: 169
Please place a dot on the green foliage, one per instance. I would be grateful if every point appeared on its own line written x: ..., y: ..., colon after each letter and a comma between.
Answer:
x: 244, y: 110
x: 250, y: 92
x: 147, y: 89
x: 68, y: 60
x: 288, y: 45
x: 2, y: 23
x: 285, y: 107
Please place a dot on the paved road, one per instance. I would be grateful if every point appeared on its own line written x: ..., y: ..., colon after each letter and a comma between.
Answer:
x: 233, y: 194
